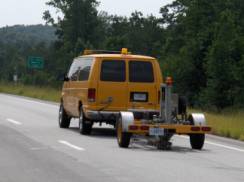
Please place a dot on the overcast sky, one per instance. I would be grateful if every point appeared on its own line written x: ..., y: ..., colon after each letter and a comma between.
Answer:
x: 28, y: 12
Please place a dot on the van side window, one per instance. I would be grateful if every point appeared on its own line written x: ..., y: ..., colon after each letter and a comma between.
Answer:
x: 141, y: 71
x: 84, y: 67
x: 80, y: 69
x: 73, y: 74
x: 113, y: 71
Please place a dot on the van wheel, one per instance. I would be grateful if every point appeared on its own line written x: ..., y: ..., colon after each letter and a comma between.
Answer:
x: 63, y: 119
x: 123, y: 138
x: 85, y: 126
x: 197, y: 141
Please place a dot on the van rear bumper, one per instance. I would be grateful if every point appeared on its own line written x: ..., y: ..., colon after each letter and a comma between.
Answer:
x: 108, y: 116
x: 111, y: 116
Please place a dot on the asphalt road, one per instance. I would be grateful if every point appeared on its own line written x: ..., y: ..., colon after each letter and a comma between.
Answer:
x: 34, y: 149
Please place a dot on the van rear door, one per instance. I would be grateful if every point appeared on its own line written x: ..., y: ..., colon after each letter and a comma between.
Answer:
x: 142, y: 86
x: 112, y: 86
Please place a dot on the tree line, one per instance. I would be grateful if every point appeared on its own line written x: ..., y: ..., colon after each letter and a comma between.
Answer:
x: 200, y: 43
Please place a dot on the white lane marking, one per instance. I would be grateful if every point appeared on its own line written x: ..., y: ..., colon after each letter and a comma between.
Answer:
x: 14, y: 122
x: 71, y: 145
x: 38, y: 148
x: 218, y: 145
x: 28, y: 100
x: 40, y: 103
x: 225, y: 146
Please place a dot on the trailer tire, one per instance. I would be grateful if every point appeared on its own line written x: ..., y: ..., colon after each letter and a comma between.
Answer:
x: 63, y: 119
x: 123, y: 138
x: 197, y: 141
x: 85, y: 127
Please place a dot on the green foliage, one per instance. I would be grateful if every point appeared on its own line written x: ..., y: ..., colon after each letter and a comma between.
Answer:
x: 228, y: 122
x: 204, y: 51
x: 79, y: 27
x: 27, y: 35
x: 17, y: 43
x: 43, y: 93
x: 142, y: 35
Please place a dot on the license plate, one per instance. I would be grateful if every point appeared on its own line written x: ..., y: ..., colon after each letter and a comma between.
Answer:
x: 140, y: 97
x: 156, y: 131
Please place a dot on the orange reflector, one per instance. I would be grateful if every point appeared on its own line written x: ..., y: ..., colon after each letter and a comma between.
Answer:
x: 195, y: 128
x: 169, y: 81
x: 206, y: 128
x: 133, y: 127
x: 144, y: 127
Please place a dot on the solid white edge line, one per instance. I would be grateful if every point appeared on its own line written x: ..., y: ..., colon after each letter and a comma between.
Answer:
x: 13, y: 121
x: 29, y: 100
x: 218, y: 145
x: 224, y: 146
x: 40, y: 103
x: 71, y: 145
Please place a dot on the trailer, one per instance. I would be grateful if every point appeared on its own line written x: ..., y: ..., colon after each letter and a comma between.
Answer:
x: 172, y: 119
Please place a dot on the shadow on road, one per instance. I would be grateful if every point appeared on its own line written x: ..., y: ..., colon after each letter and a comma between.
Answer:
x: 102, y: 133
x: 98, y: 132
x: 141, y: 145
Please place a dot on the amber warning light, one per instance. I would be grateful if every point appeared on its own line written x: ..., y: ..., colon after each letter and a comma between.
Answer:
x: 124, y: 51
x: 169, y: 81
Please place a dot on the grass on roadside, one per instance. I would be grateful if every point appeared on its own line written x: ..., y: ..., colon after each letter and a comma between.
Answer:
x: 228, y: 123
x: 42, y: 93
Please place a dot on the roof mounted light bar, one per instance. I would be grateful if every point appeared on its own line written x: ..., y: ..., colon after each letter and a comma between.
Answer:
x: 89, y: 52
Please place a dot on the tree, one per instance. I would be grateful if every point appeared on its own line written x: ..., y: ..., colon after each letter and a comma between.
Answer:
x: 203, y: 50
x: 77, y: 29
x: 223, y: 57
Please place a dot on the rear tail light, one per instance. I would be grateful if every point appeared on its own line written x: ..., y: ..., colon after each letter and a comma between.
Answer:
x: 195, y: 128
x: 91, y: 95
x: 145, y: 128
x: 206, y: 128
x: 133, y: 127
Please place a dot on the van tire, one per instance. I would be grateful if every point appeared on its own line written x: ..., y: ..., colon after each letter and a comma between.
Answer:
x: 123, y: 138
x: 197, y: 141
x: 64, y: 119
x: 85, y: 127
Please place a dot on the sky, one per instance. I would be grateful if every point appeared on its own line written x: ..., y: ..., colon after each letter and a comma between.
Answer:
x: 28, y: 12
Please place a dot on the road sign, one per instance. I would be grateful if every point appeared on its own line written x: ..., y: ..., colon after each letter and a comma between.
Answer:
x: 35, y: 62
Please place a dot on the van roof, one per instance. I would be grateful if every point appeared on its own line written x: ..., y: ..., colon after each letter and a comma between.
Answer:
x: 119, y: 56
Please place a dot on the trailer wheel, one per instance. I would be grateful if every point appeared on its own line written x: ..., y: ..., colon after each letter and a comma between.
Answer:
x: 123, y: 138
x: 63, y: 118
x: 85, y: 128
x: 197, y: 141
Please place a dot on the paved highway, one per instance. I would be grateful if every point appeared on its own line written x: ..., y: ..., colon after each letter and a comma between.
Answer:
x: 34, y: 149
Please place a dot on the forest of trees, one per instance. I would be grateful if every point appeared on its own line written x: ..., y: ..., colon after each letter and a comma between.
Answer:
x: 19, y: 42
x: 200, y: 43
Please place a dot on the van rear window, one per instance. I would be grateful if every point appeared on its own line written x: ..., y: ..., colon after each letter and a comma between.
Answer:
x: 113, y: 71
x: 141, y: 71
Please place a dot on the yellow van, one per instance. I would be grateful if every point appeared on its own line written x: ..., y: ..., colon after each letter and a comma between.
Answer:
x: 100, y: 84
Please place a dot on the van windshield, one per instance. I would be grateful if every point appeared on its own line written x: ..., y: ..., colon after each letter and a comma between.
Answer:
x: 141, y: 71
